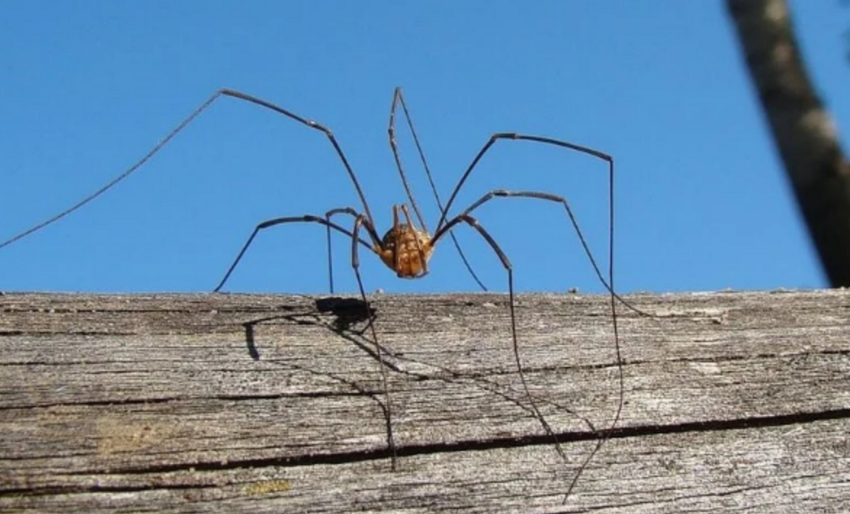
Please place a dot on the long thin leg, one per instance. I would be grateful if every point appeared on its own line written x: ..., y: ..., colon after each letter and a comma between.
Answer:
x: 398, y: 98
x: 328, y: 215
x: 549, y: 141
x: 182, y: 125
x: 500, y: 193
x: 291, y: 219
x: 361, y: 220
x: 469, y: 220
x: 391, y: 132
x: 610, y: 284
x: 537, y: 139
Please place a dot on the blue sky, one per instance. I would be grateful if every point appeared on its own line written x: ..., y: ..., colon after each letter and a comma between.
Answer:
x: 701, y: 200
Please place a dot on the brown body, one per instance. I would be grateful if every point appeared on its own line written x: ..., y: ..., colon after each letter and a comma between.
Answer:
x: 404, y: 248
x: 406, y: 251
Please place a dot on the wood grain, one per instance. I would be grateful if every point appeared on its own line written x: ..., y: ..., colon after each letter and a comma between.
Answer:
x: 735, y: 402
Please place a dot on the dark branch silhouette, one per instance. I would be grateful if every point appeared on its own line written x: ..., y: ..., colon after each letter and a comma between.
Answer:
x: 802, y: 129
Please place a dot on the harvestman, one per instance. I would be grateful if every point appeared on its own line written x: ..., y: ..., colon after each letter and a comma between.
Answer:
x: 405, y: 248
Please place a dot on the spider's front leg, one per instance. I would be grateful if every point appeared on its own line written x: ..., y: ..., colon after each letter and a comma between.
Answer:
x: 308, y: 218
x: 362, y: 221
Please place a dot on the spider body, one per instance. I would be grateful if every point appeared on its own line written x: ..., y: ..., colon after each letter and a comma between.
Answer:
x: 404, y: 248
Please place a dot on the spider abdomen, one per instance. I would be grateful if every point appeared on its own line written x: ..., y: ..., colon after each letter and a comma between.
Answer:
x: 406, y: 251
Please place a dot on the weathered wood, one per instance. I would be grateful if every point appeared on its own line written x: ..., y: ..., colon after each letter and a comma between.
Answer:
x: 248, y: 403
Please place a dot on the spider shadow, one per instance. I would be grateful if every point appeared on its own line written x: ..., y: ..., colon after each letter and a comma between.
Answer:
x: 346, y: 316
x: 346, y: 312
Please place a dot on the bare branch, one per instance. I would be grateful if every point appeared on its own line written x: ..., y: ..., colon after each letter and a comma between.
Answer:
x: 803, y: 130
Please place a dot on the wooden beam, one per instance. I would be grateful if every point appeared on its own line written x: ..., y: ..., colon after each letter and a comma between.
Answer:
x: 264, y: 403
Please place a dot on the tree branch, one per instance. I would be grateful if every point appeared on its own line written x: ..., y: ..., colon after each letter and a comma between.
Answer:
x: 802, y: 129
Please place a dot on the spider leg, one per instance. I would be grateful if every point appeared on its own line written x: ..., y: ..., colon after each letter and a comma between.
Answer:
x: 179, y: 128
x: 328, y: 215
x: 291, y: 219
x: 398, y: 98
x: 506, y: 263
x: 549, y: 141
x: 511, y: 136
x: 537, y: 139
x: 500, y: 193
x: 359, y: 221
x: 391, y: 132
